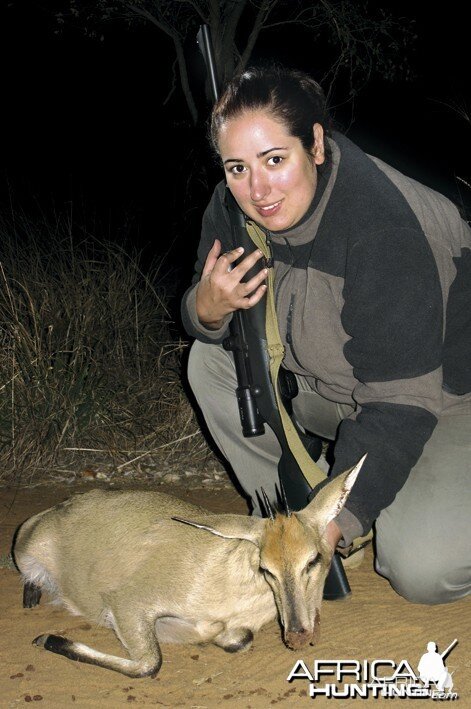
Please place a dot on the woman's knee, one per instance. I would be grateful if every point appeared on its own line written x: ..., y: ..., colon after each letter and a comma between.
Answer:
x: 204, y: 363
x: 211, y: 374
x: 425, y: 575
x: 197, y: 363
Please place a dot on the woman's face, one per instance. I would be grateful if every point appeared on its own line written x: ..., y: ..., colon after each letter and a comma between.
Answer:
x: 271, y: 176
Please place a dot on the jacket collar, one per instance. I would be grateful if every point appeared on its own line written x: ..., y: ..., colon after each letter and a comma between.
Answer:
x: 306, y: 229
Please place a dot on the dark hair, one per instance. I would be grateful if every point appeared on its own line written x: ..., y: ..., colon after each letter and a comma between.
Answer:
x: 292, y: 97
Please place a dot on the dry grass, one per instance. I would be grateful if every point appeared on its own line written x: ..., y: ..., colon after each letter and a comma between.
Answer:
x: 89, y: 370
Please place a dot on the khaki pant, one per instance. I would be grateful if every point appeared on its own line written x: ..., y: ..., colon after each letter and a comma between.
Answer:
x: 422, y: 539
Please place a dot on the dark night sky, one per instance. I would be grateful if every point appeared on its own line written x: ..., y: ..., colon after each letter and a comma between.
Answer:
x: 84, y: 121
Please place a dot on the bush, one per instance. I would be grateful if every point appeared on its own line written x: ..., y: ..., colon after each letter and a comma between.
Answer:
x: 89, y: 369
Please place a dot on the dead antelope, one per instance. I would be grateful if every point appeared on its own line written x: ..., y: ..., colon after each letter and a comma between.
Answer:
x: 125, y: 560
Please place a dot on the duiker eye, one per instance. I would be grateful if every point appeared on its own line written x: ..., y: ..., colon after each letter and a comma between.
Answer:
x: 265, y: 571
x: 313, y: 562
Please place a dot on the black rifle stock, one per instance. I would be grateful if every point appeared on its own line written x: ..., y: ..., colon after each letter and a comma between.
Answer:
x: 247, y: 341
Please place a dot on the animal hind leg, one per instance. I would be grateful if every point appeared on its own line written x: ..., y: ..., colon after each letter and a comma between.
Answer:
x: 136, y: 634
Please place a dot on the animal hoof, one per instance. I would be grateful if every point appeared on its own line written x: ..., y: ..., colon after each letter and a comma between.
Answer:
x: 40, y: 641
x: 55, y: 643
x: 31, y: 595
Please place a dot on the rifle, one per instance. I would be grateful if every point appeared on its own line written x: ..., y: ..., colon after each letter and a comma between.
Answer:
x: 255, y: 393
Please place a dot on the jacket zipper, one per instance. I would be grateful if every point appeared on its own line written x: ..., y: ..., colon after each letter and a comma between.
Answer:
x: 289, y: 318
x: 289, y: 330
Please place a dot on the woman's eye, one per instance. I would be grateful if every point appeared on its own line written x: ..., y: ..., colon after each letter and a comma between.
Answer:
x: 275, y: 160
x: 238, y: 169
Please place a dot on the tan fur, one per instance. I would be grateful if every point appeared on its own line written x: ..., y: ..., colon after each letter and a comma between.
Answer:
x: 158, y: 569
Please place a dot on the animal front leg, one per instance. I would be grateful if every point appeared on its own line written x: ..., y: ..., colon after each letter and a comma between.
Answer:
x: 234, y: 640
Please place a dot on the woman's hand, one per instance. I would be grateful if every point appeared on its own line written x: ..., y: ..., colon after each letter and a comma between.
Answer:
x: 221, y: 291
x: 333, y: 534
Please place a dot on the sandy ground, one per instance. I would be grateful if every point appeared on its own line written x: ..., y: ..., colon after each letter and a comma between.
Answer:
x: 374, y: 623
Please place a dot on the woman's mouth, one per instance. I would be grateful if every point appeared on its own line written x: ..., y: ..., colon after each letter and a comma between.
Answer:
x: 269, y: 210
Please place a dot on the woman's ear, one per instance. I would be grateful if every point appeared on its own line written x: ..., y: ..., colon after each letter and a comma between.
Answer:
x: 318, y: 149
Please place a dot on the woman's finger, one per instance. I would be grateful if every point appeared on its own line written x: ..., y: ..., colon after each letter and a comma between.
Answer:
x: 254, y: 298
x: 227, y: 259
x: 246, y: 264
x: 211, y: 258
x: 254, y: 282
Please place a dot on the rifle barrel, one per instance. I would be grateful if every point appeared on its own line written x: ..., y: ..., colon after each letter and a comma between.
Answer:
x: 206, y: 46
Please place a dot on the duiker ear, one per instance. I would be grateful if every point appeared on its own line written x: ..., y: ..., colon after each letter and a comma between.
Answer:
x: 329, y: 501
x: 229, y: 526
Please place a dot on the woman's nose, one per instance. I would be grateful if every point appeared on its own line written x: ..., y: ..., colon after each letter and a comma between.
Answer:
x: 259, y: 186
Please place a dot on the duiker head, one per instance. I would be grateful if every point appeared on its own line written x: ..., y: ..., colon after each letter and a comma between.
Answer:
x: 294, y: 554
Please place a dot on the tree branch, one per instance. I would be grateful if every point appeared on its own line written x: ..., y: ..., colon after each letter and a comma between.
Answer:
x: 145, y: 14
x: 362, y: 41
x: 264, y: 11
x: 196, y: 7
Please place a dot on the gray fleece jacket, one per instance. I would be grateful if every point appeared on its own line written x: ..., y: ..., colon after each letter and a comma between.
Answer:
x: 373, y: 296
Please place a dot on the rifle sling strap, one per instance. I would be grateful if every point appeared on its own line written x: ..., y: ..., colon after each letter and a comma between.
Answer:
x: 276, y: 352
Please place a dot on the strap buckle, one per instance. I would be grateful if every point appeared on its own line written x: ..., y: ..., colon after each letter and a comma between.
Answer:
x: 357, y: 544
